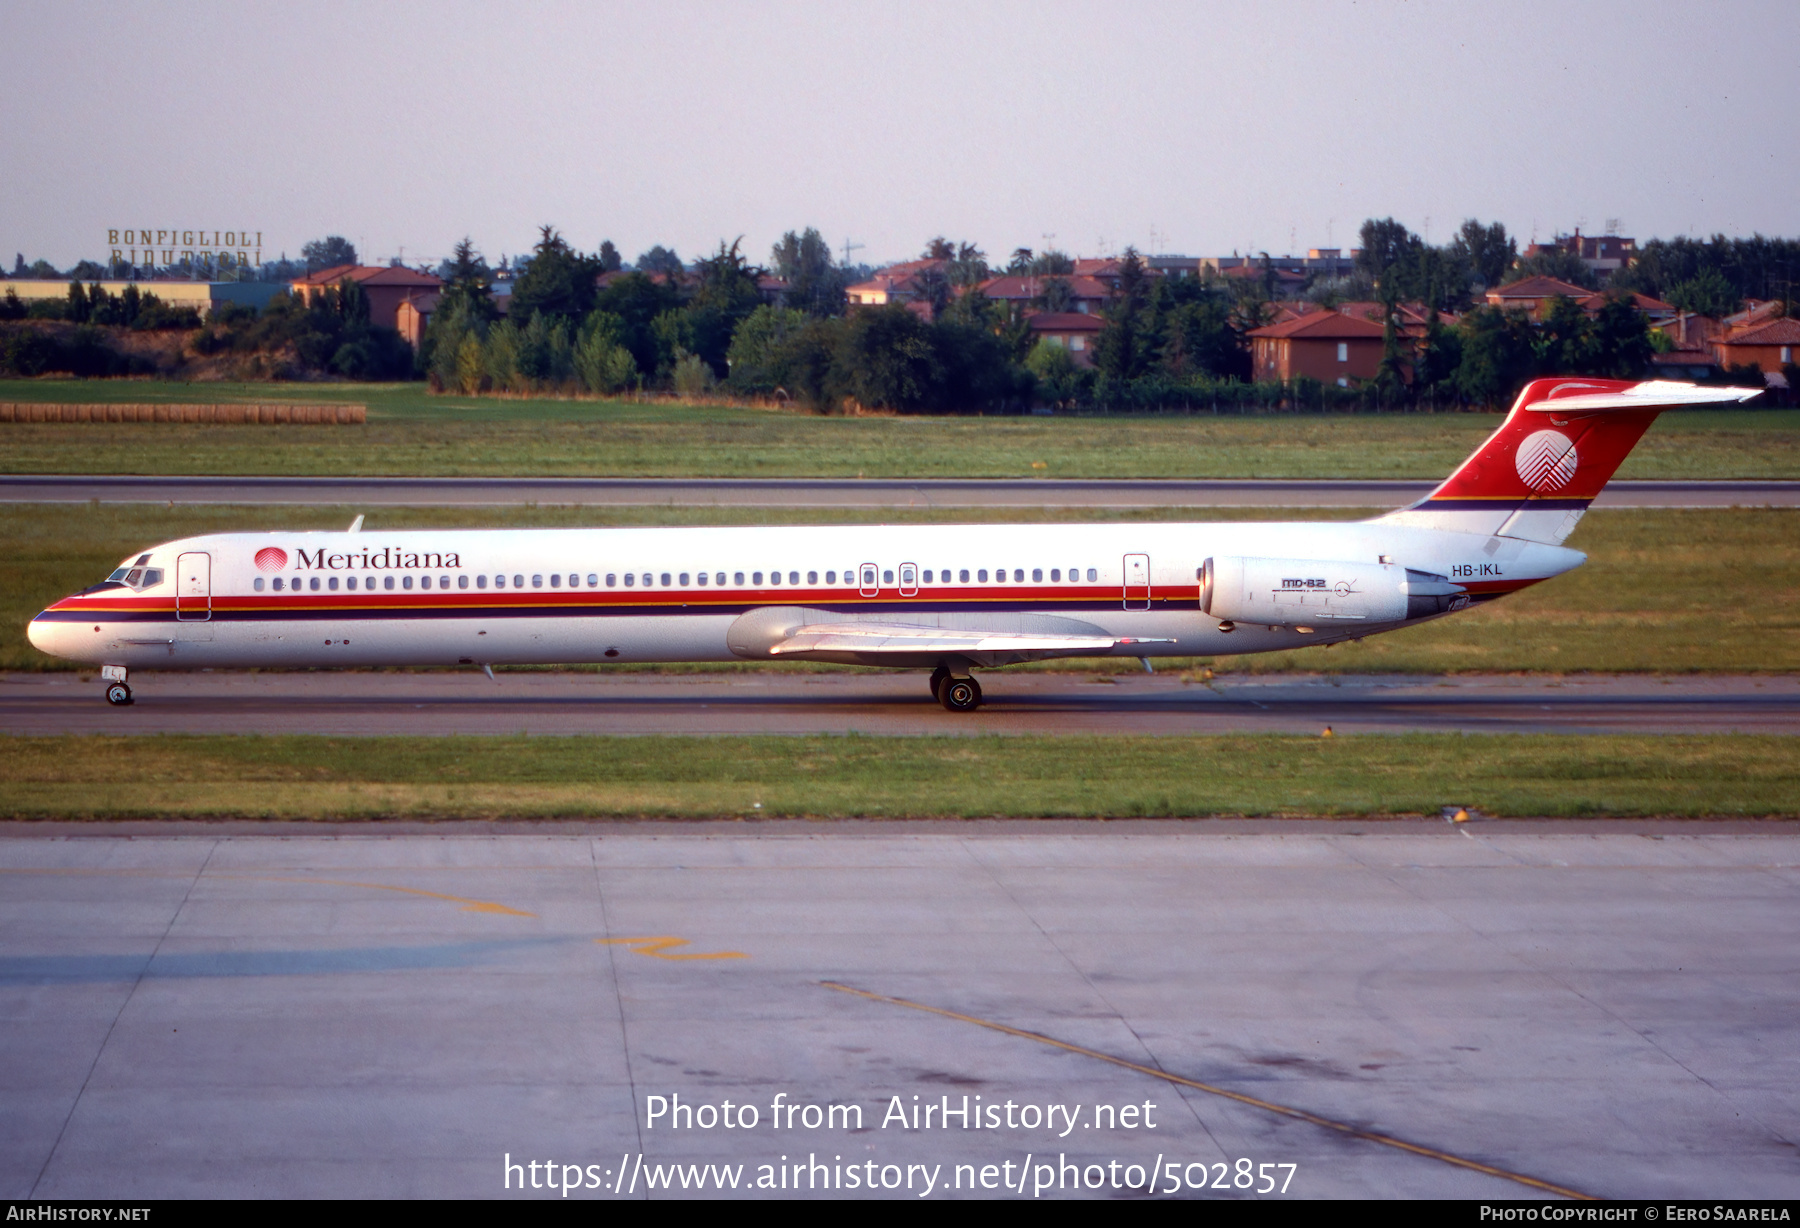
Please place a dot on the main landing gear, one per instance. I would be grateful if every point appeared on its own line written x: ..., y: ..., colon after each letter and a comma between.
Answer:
x: 956, y: 694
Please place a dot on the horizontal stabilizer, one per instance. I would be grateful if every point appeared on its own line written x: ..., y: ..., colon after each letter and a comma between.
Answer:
x: 1660, y: 394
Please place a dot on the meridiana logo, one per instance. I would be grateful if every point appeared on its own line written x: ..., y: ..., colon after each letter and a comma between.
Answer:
x: 271, y: 558
x: 1546, y: 460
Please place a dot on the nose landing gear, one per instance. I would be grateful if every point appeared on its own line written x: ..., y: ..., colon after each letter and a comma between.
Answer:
x: 117, y: 693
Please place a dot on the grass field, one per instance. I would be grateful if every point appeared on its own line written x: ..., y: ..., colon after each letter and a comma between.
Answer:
x: 841, y: 777
x: 412, y: 432
x: 1663, y: 591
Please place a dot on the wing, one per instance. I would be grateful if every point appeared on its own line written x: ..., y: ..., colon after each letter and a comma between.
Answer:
x: 898, y: 640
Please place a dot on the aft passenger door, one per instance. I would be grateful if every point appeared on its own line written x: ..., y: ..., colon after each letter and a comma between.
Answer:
x: 193, y: 587
x: 1137, y: 582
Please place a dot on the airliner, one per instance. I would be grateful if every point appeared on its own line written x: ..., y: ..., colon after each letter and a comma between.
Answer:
x: 946, y: 598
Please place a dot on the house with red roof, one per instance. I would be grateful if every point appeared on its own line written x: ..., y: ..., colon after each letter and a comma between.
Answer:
x: 387, y: 287
x: 1768, y: 346
x: 1532, y: 294
x: 1328, y: 346
x: 1086, y: 295
x: 1075, y: 331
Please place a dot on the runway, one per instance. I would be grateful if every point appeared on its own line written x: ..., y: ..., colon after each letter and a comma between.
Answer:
x: 307, y: 1015
x: 821, y: 493
x: 770, y: 702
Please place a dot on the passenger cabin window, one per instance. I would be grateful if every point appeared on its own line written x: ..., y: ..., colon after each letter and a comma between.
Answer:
x: 406, y: 582
x: 682, y: 579
x: 555, y: 581
x: 982, y: 575
x: 594, y: 580
x: 630, y: 579
x: 701, y: 577
x: 962, y: 577
x: 737, y: 578
x: 313, y: 584
x: 719, y: 578
x: 276, y: 584
x: 257, y: 584
x: 518, y: 581
x: 537, y: 582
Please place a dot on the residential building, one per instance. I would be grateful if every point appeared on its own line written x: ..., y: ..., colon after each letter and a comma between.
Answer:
x: 1072, y: 330
x: 386, y: 286
x: 1601, y: 253
x: 1532, y: 294
x: 1086, y: 294
x: 1328, y: 346
x: 204, y: 297
x: 897, y: 283
x: 1768, y: 346
x: 1653, y: 309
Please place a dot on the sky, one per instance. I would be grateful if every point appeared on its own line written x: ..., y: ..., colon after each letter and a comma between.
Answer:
x: 1184, y: 128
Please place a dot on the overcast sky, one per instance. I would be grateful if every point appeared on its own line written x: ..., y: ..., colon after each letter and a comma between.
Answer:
x: 1181, y: 128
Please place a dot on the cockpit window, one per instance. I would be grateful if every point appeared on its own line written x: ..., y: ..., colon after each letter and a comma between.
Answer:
x: 137, y: 578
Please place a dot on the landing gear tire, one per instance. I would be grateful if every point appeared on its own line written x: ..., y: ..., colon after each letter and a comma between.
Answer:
x: 960, y: 694
x: 118, y: 695
x: 939, y: 676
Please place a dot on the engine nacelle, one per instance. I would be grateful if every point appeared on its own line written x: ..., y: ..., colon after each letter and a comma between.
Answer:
x: 1304, y: 592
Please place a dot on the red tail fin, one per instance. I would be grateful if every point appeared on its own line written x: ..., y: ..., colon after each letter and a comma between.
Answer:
x: 1562, y: 442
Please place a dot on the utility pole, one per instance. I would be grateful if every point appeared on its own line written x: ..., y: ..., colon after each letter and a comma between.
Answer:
x: 848, y: 248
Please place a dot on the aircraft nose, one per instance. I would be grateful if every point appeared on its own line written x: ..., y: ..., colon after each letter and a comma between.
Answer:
x: 44, y: 634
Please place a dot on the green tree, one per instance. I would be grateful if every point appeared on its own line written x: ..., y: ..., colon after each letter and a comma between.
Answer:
x: 602, y: 363
x: 1498, y: 355
x: 637, y: 302
x: 726, y: 293
x: 1488, y: 251
x: 610, y: 261
x: 1622, y: 340
x: 1557, y: 262
x: 887, y: 360
x: 1565, y: 341
x: 815, y: 283
x: 328, y: 253
x: 1707, y: 293
x: 1124, y: 348
x: 757, y: 357
x: 559, y: 281
x: 659, y: 259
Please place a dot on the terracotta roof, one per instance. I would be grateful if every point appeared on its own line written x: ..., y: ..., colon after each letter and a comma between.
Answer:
x: 1064, y: 322
x: 1754, y: 312
x: 1643, y: 302
x: 1784, y: 331
x: 1031, y: 287
x: 1319, y: 325
x: 1539, y: 287
x: 1410, y: 313
x: 906, y: 268
x: 368, y: 275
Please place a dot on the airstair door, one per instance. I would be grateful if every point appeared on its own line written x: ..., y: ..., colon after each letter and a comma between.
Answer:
x: 193, y: 587
x: 1137, y: 581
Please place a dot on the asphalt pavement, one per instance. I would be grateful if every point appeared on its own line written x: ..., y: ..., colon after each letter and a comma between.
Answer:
x: 1503, y: 1011
x: 768, y: 701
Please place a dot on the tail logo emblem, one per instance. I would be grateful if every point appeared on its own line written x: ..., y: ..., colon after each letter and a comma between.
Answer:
x: 1546, y: 460
x: 271, y: 558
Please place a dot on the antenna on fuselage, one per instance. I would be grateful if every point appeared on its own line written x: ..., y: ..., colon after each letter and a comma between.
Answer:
x: 355, y: 526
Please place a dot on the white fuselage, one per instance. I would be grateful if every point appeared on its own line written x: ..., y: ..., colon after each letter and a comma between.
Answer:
x: 559, y: 596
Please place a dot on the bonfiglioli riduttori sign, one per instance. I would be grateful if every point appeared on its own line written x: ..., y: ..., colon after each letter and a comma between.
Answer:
x: 241, y: 247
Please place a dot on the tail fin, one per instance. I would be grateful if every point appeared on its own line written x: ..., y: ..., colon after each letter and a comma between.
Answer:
x: 1535, y: 476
